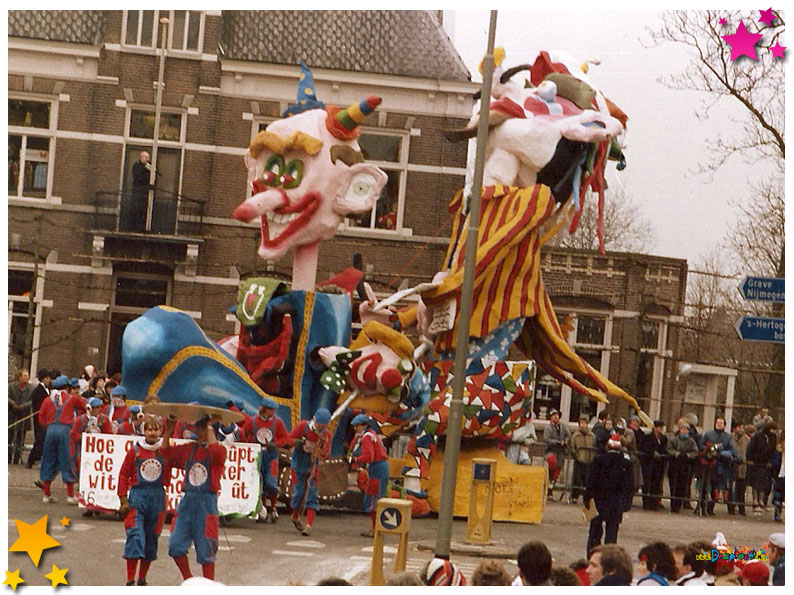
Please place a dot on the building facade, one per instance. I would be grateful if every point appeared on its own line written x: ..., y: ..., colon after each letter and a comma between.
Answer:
x: 83, y: 101
x: 83, y: 89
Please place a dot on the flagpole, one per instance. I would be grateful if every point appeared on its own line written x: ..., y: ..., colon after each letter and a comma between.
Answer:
x: 452, y: 449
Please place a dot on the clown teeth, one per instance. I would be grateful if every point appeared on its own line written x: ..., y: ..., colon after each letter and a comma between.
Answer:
x: 284, y: 219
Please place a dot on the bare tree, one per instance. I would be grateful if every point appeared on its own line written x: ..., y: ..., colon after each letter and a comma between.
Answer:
x: 626, y: 227
x: 758, y: 88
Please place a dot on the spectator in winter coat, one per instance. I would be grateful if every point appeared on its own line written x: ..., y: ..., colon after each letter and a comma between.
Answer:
x: 682, y: 452
x: 582, y: 444
x: 556, y: 436
x: 741, y: 437
x: 518, y: 449
x: 609, y: 565
x: 654, y: 451
x: 762, y: 418
x: 775, y: 548
x: 18, y: 410
x: 760, y: 451
x: 688, y: 566
x: 656, y: 565
x: 610, y: 484
x: 601, y: 431
x: 727, y: 455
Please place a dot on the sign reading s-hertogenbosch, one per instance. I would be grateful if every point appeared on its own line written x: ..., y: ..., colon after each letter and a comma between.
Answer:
x: 764, y: 289
x: 755, y: 328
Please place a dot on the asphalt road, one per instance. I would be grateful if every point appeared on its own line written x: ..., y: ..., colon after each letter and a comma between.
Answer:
x: 265, y: 554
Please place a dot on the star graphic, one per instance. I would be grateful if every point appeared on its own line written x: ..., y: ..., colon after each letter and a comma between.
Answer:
x: 777, y: 50
x: 767, y: 16
x: 57, y: 576
x: 33, y: 539
x: 742, y: 42
x: 65, y: 522
x: 13, y: 579
x: 723, y: 21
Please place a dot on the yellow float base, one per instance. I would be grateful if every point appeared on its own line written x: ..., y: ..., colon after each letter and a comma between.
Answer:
x: 519, y: 490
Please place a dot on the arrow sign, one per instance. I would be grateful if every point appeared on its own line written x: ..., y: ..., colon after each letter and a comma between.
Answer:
x: 768, y: 330
x: 763, y: 289
x: 391, y: 518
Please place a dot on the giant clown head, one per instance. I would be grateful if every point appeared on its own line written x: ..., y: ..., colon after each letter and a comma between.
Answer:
x: 307, y: 174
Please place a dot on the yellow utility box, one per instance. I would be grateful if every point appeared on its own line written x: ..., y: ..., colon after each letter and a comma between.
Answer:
x: 392, y: 516
x: 478, y: 529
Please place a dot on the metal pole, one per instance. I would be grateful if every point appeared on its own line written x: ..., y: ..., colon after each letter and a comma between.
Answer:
x: 444, y: 533
x: 157, y: 108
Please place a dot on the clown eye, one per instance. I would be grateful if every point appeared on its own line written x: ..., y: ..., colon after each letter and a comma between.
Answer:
x: 274, y: 167
x: 293, y: 174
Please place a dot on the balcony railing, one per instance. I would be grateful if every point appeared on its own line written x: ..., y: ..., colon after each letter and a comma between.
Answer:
x: 172, y: 214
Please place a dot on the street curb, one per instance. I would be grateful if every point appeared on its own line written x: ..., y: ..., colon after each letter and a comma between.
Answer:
x: 494, y: 550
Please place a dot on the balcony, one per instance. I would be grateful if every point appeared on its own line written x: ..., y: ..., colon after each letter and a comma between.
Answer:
x: 159, y: 215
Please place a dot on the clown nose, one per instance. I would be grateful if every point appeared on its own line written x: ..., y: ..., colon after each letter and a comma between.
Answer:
x: 244, y: 212
x: 391, y: 378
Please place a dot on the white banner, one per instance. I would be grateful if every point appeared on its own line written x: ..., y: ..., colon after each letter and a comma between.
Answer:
x: 103, y: 454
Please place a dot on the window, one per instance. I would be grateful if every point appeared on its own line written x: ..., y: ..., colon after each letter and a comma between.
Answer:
x: 141, y: 29
x: 590, y: 330
x: 30, y: 130
x: 20, y: 285
x: 390, y: 153
x: 135, y: 203
x: 650, y: 334
x: 134, y: 294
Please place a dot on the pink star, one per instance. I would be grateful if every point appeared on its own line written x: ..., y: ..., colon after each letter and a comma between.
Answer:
x: 722, y: 21
x: 743, y: 42
x: 777, y: 50
x: 767, y: 16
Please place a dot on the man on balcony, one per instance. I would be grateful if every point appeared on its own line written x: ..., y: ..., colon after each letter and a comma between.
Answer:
x: 135, y: 205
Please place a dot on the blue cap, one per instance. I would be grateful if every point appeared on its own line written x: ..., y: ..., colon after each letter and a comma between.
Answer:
x: 94, y: 402
x: 118, y: 391
x: 74, y: 382
x: 269, y: 403
x: 360, y: 419
x: 60, y: 382
x: 135, y: 409
x: 322, y: 416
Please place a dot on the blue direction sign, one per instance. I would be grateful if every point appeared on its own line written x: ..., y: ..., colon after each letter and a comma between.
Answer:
x: 391, y: 518
x: 768, y: 330
x: 764, y: 289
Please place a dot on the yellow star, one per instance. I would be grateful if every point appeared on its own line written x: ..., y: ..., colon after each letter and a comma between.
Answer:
x: 57, y: 576
x: 33, y: 539
x: 13, y: 579
x: 65, y: 522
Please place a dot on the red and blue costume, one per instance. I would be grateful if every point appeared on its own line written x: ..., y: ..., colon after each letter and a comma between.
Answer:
x: 369, y: 451
x: 301, y: 466
x: 270, y: 433
x: 83, y: 424
x: 57, y: 414
x: 144, y: 474
x: 196, y: 517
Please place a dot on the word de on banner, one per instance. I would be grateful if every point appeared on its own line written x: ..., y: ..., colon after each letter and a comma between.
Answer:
x: 103, y: 454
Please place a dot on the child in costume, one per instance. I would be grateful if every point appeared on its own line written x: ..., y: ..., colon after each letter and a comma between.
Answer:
x: 144, y: 473
x: 57, y: 414
x: 93, y: 421
x: 367, y: 450
x: 196, y: 517
x: 133, y: 425
x: 118, y: 412
x: 269, y: 431
x: 312, y: 443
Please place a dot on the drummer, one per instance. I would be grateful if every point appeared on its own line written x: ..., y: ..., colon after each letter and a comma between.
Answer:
x: 196, y: 519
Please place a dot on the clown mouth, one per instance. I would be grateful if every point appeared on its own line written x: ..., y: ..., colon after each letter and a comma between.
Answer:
x: 364, y: 370
x: 279, y: 225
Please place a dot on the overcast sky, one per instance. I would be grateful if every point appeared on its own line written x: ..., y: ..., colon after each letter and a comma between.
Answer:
x: 666, y: 140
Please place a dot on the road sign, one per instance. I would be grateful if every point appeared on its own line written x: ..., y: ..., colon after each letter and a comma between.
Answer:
x: 764, y: 289
x: 768, y: 330
x: 391, y: 518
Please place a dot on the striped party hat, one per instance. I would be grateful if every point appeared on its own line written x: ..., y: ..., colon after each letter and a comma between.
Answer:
x: 343, y: 123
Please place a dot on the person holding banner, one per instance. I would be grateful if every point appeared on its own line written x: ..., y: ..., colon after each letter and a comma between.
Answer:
x: 269, y: 431
x: 367, y: 449
x: 93, y: 421
x: 56, y: 414
x: 196, y: 517
x: 311, y: 443
x: 144, y: 474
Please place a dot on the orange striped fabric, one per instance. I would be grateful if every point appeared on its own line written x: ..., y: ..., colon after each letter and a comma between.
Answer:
x: 508, y: 283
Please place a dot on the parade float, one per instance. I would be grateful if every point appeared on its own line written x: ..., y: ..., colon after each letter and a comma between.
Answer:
x: 549, y: 143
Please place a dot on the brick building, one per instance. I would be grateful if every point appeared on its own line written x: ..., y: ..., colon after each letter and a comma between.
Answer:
x: 82, y: 101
